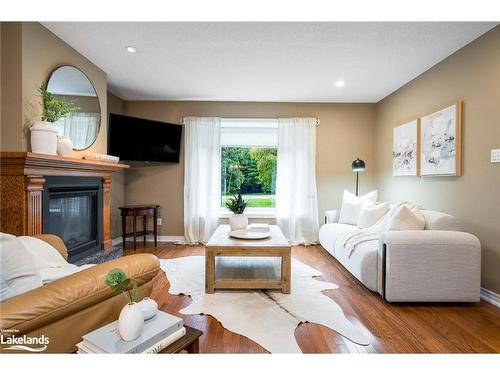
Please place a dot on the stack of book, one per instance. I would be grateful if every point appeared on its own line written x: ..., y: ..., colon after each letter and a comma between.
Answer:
x: 159, y: 332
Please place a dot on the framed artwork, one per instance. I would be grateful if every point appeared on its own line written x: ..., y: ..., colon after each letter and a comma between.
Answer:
x: 440, y: 135
x: 405, y: 149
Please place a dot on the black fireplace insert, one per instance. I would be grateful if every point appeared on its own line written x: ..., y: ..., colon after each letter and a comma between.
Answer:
x: 72, y: 209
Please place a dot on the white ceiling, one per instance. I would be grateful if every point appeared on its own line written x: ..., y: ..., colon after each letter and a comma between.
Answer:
x: 283, y: 62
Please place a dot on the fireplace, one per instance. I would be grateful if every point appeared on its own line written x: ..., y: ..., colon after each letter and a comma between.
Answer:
x: 72, y: 209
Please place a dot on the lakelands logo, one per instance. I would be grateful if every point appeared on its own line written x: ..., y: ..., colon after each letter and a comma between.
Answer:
x: 22, y: 343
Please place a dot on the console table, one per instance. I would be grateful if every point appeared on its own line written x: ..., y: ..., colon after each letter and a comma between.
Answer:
x: 145, y: 211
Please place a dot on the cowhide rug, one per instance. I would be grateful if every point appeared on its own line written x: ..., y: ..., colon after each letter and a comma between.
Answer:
x: 267, y: 317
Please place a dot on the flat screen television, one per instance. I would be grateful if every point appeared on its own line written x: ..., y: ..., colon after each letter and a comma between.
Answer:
x: 136, y: 139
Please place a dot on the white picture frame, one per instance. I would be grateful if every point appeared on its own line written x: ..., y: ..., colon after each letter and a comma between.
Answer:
x: 440, y: 136
x: 405, y: 149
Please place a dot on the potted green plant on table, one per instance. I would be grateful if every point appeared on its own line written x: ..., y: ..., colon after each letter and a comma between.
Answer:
x: 131, y: 319
x: 43, y: 133
x: 238, y: 220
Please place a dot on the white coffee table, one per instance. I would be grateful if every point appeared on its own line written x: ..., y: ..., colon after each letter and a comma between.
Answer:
x: 221, y: 245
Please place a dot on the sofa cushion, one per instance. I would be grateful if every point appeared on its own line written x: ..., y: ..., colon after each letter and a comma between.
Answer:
x: 18, y: 273
x: 435, y: 220
x: 371, y: 213
x: 362, y: 263
x: 351, y: 206
x: 329, y: 233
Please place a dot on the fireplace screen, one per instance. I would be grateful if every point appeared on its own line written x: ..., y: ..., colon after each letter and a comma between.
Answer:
x: 72, y: 212
x: 73, y: 216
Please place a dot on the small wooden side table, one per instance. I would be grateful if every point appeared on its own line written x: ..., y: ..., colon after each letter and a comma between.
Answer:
x: 190, y: 342
x: 144, y: 210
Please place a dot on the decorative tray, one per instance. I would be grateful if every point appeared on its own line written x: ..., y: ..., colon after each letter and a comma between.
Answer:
x: 245, y: 234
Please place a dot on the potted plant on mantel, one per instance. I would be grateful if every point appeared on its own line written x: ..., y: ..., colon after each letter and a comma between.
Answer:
x: 43, y: 133
x: 237, y: 206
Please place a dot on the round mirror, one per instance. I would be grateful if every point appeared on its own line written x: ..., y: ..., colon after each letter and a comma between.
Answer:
x: 81, y: 126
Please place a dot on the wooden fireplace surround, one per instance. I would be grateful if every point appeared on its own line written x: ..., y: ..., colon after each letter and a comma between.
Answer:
x: 21, y: 184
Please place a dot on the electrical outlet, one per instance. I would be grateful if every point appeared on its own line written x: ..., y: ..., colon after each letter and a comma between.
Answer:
x: 495, y: 156
x: 158, y: 221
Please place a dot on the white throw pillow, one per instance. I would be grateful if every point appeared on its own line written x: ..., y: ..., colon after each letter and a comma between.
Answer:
x: 371, y: 213
x: 18, y: 273
x: 43, y: 254
x: 406, y: 219
x: 351, y: 206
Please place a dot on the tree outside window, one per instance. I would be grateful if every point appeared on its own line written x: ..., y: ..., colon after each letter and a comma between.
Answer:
x: 250, y: 171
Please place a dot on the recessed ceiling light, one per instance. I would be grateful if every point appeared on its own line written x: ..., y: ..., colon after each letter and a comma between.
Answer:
x: 131, y: 49
x: 339, y: 83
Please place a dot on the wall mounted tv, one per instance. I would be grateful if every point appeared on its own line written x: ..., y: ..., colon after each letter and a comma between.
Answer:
x: 136, y: 139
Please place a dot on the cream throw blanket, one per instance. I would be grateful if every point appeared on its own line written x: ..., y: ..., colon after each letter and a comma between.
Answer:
x: 351, y: 240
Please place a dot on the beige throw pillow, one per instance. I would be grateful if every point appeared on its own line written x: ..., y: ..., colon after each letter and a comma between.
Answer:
x: 371, y: 213
x: 43, y: 254
x: 351, y: 206
x: 406, y: 219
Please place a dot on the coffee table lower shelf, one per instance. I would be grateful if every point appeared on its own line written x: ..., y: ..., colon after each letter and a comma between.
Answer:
x: 283, y: 284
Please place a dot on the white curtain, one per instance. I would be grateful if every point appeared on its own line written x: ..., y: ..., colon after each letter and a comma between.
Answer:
x: 201, y: 178
x: 80, y: 127
x: 296, y: 200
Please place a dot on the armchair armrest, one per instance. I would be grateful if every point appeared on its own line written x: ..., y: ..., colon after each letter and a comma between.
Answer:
x: 56, y: 242
x: 430, y: 265
x: 66, y: 296
x: 332, y: 216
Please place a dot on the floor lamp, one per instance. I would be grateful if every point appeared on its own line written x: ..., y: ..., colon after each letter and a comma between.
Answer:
x: 358, y: 166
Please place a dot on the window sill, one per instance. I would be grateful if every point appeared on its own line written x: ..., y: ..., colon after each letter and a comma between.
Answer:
x: 251, y: 213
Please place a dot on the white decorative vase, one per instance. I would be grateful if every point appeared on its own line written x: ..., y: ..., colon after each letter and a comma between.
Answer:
x: 64, y: 146
x: 130, y: 322
x: 149, y: 308
x: 43, y: 138
x: 238, y: 221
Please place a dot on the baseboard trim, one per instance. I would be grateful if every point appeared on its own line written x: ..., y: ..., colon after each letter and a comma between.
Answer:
x: 181, y: 239
x: 490, y: 297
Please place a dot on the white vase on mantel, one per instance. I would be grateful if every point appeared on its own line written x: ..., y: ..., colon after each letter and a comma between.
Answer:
x: 64, y: 146
x: 130, y: 322
x: 238, y: 221
x: 43, y: 138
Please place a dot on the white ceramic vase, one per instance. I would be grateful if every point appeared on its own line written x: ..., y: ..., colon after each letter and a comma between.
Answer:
x: 238, y: 221
x: 149, y: 308
x: 130, y: 322
x: 43, y: 138
x: 64, y: 146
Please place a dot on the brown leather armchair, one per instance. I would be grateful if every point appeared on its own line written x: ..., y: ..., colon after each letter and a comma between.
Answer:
x: 66, y: 309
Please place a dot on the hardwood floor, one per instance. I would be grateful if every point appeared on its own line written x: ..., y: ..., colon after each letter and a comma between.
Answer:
x: 396, y: 327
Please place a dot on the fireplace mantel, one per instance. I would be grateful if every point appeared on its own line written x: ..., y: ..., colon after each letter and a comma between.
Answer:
x: 22, y: 179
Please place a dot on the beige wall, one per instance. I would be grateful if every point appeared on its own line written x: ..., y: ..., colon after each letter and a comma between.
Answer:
x: 11, y: 83
x: 472, y: 75
x: 115, y: 105
x: 345, y: 132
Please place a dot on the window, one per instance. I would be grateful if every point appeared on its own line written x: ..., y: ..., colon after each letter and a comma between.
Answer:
x: 248, y: 164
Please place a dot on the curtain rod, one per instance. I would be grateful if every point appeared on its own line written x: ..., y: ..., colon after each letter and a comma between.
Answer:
x: 249, y: 118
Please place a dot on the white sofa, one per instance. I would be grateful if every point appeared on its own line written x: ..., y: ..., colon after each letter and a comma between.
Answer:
x: 438, y: 264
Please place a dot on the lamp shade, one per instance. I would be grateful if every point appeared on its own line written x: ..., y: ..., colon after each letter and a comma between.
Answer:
x: 358, y: 165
